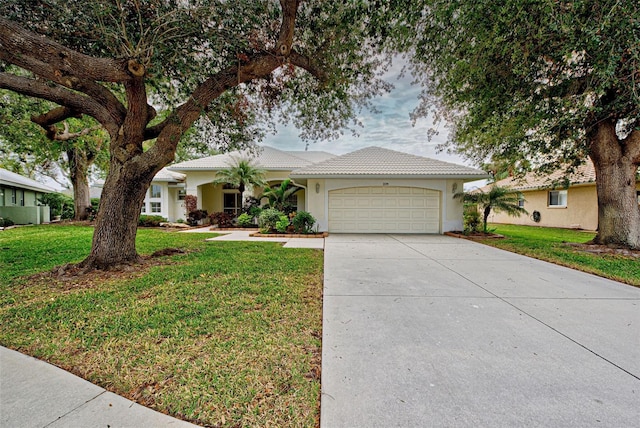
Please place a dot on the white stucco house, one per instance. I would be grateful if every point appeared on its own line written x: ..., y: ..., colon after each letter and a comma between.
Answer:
x: 165, y: 196
x: 372, y: 190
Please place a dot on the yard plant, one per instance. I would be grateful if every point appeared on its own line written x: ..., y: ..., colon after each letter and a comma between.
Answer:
x: 554, y: 245
x: 226, y: 334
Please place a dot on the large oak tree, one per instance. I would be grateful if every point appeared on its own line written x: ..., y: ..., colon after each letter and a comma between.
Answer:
x: 315, y: 61
x: 31, y: 142
x: 543, y: 83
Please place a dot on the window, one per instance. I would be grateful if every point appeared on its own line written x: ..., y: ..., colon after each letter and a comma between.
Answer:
x: 156, y: 191
x: 293, y: 201
x: 557, y: 198
x: 181, y: 194
x: 14, y: 196
x: 156, y: 207
x: 144, y: 208
x: 232, y: 203
x: 21, y: 198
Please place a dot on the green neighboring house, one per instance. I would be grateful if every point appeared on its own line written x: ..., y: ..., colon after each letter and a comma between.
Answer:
x: 19, y: 199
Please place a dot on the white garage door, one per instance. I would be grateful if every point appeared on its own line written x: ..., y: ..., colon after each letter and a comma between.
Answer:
x: 384, y: 210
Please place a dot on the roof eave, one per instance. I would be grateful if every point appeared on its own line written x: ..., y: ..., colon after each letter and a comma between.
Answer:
x: 27, y: 187
x: 469, y: 177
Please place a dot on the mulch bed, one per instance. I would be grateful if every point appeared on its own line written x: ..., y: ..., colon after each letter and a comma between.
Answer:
x: 475, y: 236
x: 604, y: 250
x: 290, y: 235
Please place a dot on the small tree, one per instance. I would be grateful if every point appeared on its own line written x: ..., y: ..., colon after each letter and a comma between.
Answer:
x: 498, y: 198
x: 279, y: 195
x: 241, y: 174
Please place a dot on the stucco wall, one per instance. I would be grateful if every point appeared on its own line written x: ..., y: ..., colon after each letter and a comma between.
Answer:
x: 29, y: 213
x: 317, y: 202
x: 581, y: 210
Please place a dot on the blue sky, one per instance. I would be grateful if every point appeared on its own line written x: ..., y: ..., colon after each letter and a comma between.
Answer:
x: 390, y: 127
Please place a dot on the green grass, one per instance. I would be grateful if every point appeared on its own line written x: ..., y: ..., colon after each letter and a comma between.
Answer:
x: 225, y: 335
x: 550, y: 244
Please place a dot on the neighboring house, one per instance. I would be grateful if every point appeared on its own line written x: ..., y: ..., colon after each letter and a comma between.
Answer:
x: 19, y: 199
x: 95, y: 190
x: 165, y: 196
x: 372, y: 190
x: 556, y: 201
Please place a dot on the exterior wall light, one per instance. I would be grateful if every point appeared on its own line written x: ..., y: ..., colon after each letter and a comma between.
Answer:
x: 317, y: 187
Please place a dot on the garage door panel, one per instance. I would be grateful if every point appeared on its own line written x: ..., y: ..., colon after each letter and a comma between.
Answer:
x: 384, y: 210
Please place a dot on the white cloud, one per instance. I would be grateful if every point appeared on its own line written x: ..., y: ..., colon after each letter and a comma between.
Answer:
x: 390, y: 128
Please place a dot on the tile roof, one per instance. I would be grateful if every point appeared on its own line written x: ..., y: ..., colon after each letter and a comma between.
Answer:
x: 165, y: 175
x: 16, y: 180
x: 265, y: 157
x: 584, y: 174
x: 312, y: 156
x: 376, y: 161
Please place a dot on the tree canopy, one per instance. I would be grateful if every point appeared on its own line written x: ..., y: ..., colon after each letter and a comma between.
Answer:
x: 541, y: 83
x: 314, y: 63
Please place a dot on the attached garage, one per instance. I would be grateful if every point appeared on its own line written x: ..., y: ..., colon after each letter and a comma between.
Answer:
x: 376, y: 190
x: 384, y: 210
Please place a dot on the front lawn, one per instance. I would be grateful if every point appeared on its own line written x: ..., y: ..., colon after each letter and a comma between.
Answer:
x: 227, y: 334
x: 550, y: 244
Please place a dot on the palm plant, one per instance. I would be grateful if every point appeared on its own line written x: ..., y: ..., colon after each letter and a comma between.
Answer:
x: 498, y: 198
x: 278, y: 195
x: 241, y: 174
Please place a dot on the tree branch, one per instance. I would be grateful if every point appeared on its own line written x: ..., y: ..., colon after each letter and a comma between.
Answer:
x: 285, y: 37
x: 66, y: 135
x: 44, y: 57
x: 632, y: 146
x: 307, y: 64
x: 48, y: 120
x: 59, y: 95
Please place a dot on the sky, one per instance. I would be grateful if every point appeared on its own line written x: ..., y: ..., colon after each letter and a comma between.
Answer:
x: 390, y: 127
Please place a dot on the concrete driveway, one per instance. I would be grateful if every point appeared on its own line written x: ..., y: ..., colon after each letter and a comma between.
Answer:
x: 424, y: 331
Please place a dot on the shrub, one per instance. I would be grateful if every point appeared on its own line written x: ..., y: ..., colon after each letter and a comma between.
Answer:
x: 95, y: 206
x: 245, y: 220
x: 190, y: 203
x: 282, y: 224
x: 268, y: 218
x: 303, y: 222
x: 251, y: 206
x: 222, y: 219
x: 472, y: 220
x: 60, y: 205
x: 254, y: 211
x: 6, y: 222
x: 150, y: 220
x: 195, y: 216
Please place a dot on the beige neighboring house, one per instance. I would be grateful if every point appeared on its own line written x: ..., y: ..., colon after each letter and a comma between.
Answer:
x: 19, y: 199
x: 551, y: 203
x: 372, y: 190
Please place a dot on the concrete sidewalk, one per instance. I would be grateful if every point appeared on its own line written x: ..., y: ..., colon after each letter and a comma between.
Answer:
x: 244, y: 235
x: 436, y: 331
x: 36, y: 394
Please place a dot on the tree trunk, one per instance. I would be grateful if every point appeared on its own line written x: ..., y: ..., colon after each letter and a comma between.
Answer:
x: 114, y: 238
x: 485, y: 217
x: 618, y: 211
x: 78, y: 169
